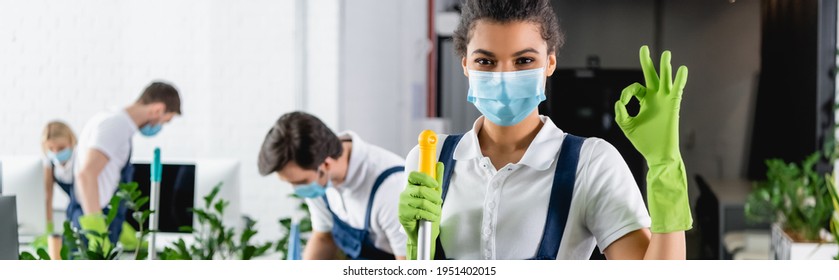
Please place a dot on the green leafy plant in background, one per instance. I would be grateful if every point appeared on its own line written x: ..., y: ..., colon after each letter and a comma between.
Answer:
x: 304, y: 227
x: 73, y: 247
x: 213, y: 239
x: 795, y: 196
x: 27, y: 256
x: 134, y: 201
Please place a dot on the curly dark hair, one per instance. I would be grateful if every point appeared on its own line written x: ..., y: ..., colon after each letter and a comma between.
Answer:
x: 503, y: 11
x: 298, y: 137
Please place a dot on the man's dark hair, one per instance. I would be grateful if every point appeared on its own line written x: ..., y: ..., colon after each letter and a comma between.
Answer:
x: 298, y: 137
x: 504, y: 11
x: 164, y: 93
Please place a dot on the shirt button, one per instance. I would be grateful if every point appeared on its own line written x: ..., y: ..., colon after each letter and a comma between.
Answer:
x: 487, y: 231
x: 491, y: 204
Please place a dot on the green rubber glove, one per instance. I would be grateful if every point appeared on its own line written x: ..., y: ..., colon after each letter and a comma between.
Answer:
x: 96, y: 223
x: 655, y: 134
x: 421, y: 200
x: 128, y: 237
x: 41, y: 242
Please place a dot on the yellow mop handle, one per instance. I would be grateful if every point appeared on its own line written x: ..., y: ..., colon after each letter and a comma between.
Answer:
x: 428, y: 153
x: 428, y: 165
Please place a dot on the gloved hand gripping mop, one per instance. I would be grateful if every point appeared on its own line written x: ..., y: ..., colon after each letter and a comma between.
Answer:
x: 420, y: 204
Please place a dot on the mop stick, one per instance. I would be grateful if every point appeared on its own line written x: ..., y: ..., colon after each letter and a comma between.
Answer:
x: 428, y: 165
x: 155, y: 169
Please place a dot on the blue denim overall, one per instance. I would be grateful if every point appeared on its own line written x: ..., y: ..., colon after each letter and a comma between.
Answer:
x: 353, y: 241
x: 74, y: 210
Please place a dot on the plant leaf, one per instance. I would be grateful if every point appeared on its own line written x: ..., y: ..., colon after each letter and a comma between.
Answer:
x: 212, y: 195
x: 26, y: 256
x: 43, y: 254
x: 140, y: 202
x: 112, y: 212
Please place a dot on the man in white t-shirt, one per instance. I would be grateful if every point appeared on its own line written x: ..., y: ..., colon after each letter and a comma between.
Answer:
x: 104, y: 153
x: 351, y: 187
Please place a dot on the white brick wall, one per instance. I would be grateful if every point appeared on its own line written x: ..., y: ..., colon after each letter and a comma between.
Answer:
x: 231, y: 60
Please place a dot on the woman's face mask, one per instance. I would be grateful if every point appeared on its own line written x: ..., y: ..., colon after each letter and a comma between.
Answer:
x: 61, y: 156
x: 506, y: 98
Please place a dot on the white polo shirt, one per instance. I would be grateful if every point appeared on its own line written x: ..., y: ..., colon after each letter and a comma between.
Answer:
x: 109, y: 133
x: 349, y: 199
x: 500, y: 214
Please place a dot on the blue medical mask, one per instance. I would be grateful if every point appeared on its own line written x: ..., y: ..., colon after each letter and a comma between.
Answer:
x: 312, y: 190
x: 62, y: 156
x: 506, y: 98
x: 150, y: 130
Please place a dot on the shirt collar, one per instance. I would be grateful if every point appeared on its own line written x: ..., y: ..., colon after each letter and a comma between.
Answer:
x: 540, y: 154
x: 358, y: 154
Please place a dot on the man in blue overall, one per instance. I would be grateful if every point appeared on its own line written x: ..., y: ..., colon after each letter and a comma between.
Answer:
x: 104, y: 158
x: 352, y: 187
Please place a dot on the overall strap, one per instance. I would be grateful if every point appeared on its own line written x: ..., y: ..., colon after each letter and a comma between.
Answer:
x: 560, y: 200
x: 447, y: 158
x: 376, y: 185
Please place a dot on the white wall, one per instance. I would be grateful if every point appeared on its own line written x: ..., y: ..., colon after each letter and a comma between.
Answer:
x: 383, y: 66
x: 323, y: 20
x: 231, y: 61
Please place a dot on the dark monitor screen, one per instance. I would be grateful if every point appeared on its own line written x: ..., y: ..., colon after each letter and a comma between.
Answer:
x: 177, y: 195
x: 8, y: 228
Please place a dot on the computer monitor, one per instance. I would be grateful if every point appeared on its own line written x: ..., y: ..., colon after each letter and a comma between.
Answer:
x: 209, y: 173
x: 177, y: 195
x: 23, y: 177
x: 8, y: 229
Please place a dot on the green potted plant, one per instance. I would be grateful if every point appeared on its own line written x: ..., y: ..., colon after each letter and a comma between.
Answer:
x: 796, y: 199
x: 213, y: 240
